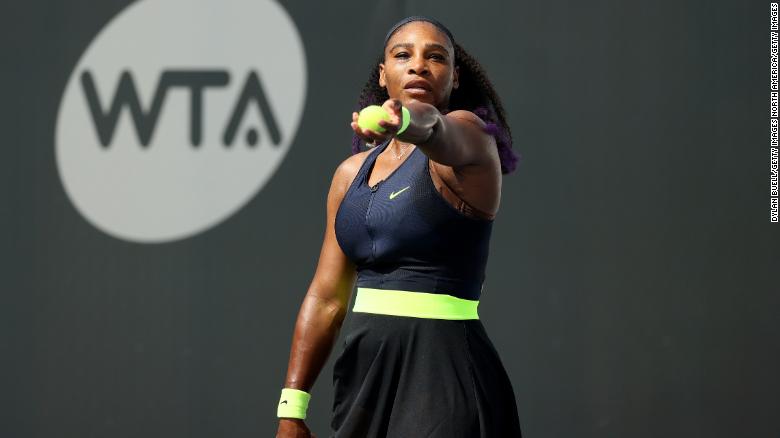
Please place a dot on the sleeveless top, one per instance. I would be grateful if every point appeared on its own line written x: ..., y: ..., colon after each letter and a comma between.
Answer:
x: 402, y: 234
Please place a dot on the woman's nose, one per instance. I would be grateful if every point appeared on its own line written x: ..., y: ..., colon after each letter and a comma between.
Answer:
x: 418, y: 65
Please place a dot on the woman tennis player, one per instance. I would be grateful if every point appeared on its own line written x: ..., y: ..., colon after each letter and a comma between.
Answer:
x: 409, y: 223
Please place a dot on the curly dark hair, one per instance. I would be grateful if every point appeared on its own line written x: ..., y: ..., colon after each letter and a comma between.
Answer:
x: 475, y: 93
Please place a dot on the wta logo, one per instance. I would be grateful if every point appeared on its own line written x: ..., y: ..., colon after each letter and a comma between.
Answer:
x: 178, y: 113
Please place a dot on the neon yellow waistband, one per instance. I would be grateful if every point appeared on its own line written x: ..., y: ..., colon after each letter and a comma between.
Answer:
x: 415, y: 304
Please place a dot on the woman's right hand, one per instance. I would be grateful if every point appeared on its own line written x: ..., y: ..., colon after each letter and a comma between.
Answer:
x: 293, y: 428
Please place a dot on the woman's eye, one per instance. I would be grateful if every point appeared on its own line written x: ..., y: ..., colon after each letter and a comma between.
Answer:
x: 404, y: 54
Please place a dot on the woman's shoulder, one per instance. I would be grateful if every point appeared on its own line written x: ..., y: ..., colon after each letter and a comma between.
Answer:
x: 348, y: 169
x: 351, y: 165
x: 467, y: 116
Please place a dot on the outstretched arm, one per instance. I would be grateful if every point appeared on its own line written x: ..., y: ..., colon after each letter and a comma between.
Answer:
x: 455, y: 139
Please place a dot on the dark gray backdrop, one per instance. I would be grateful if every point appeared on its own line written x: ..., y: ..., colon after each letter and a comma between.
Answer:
x: 632, y: 288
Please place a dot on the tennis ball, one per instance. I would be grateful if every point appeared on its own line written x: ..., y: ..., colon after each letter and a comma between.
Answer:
x: 370, y: 116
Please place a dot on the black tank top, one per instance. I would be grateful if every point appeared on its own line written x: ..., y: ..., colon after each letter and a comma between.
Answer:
x: 403, y: 235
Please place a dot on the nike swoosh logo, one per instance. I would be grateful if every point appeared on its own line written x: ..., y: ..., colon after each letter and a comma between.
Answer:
x: 285, y: 402
x: 394, y: 194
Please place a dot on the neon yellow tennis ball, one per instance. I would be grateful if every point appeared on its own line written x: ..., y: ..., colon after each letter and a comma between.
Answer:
x: 370, y: 116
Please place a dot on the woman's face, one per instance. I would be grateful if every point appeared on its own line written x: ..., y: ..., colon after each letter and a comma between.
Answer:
x: 419, y: 65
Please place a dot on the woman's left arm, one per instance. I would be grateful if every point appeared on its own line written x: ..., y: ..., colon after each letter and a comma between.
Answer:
x: 455, y: 139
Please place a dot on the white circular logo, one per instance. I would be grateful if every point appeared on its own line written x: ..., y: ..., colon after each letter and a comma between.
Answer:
x: 178, y: 113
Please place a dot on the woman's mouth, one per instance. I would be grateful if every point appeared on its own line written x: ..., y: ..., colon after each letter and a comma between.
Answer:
x: 416, y: 90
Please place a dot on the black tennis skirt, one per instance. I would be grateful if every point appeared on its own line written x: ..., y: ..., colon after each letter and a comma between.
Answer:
x: 409, y: 377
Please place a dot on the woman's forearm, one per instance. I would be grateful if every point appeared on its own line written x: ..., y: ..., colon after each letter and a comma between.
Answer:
x: 316, y: 329
x: 455, y: 139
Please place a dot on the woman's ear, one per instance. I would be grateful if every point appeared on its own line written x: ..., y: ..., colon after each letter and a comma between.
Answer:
x: 382, y: 81
x: 455, y: 77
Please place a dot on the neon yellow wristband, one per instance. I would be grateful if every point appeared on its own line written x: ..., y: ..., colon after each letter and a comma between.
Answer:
x: 405, y: 118
x: 293, y: 403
